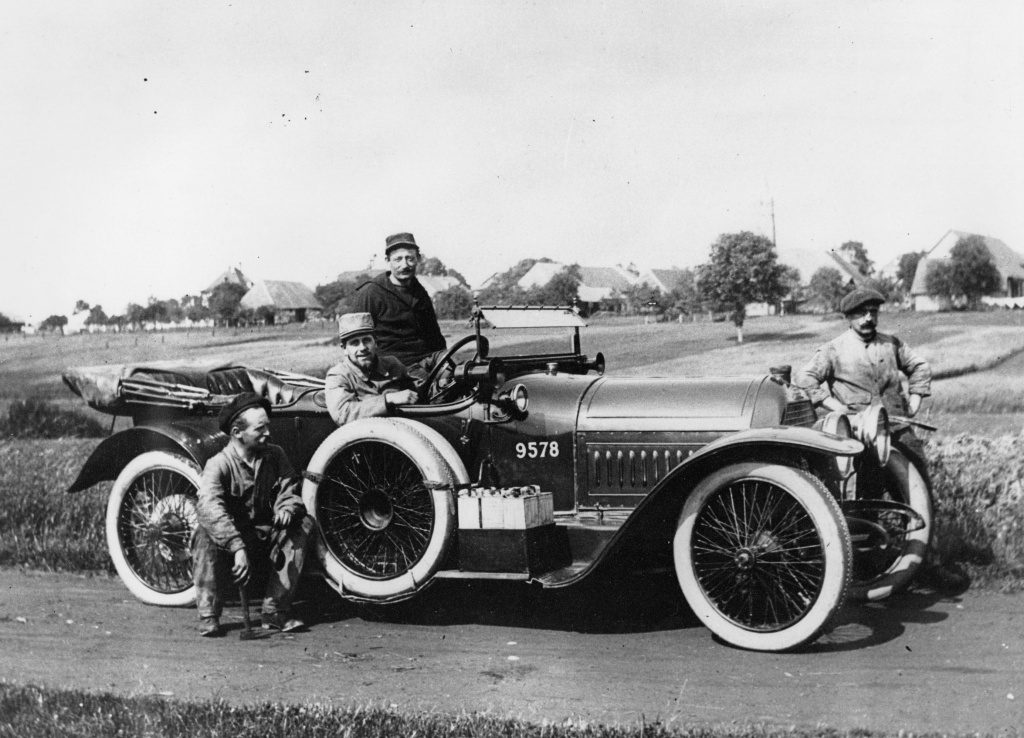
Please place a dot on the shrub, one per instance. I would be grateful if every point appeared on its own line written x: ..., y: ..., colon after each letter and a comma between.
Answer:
x: 36, y: 418
x: 979, y: 503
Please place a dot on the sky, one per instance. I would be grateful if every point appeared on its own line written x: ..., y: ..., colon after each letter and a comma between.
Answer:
x: 147, y: 147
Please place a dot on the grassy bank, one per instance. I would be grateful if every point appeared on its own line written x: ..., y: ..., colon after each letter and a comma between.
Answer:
x: 41, y: 526
x: 45, y: 712
x: 979, y: 484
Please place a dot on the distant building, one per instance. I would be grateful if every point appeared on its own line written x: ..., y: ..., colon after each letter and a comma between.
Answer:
x: 291, y: 302
x: 14, y: 324
x: 1009, y: 264
x: 76, y: 323
x: 596, y: 283
x: 359, y: 275
x: 232, y: 275
x: 664, y: 280
x: 432, y: 283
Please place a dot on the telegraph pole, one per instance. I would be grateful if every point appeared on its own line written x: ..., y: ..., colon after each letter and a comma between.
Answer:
x: 773, y: 223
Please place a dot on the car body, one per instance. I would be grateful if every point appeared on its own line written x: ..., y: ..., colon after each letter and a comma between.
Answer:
x: 770, y: 517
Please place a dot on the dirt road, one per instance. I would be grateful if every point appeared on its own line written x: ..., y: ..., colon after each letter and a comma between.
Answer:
x: 610, y: 655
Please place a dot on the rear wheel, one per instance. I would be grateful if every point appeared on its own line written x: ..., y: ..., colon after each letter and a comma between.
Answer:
x: 763, y: 555
x: 151, y: 516
x: 381, y: 494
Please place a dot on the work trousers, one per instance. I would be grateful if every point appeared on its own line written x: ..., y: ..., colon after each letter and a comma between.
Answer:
x: 283, y: 549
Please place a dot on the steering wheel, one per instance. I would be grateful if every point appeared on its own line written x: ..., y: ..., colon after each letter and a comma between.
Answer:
x: 424, y: 395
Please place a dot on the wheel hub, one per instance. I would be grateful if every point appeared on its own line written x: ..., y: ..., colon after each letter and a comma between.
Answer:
x: 376, y: 510
x: 744, y: 559
x: 162, y: 532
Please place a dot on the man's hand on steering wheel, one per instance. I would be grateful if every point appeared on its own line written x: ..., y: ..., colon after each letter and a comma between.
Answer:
x: 425, y: 397
x: 401, y: 397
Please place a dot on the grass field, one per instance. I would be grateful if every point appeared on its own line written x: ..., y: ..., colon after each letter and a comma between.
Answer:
x: 956, y: 344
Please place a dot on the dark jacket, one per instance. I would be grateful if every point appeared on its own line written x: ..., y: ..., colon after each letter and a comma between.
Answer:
x: 234, y: 498
x: 405, y: 324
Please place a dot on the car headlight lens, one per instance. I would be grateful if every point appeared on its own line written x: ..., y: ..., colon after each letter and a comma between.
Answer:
x: 838, y: 424
x: 520, y: 398
x: 874, y: 432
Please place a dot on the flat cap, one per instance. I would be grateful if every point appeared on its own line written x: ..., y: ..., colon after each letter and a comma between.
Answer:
x: 238, y: 405
x: 860, y: 297
x: 354, y: 324
x: 399, y: 240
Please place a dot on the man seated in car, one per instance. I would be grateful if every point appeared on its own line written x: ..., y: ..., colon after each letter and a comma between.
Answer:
x: 249, y: 509
x: 403, y: 314
x: 364, y: 384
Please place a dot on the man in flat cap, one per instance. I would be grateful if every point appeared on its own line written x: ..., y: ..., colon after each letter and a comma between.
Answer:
x: 403, y: 314
x: 365, y: 384
x: 249, y: 509
x: 863, y: 366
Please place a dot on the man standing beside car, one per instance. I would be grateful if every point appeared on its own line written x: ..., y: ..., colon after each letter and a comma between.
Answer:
x: 365, y: 384
x: 249, y: 508
x: 403, y: 314
x: 862, y: 367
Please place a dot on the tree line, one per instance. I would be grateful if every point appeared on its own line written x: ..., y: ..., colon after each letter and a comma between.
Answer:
x: 742, y: 268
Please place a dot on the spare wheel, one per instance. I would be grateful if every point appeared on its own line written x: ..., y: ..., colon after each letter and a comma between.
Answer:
x: 381, y: 493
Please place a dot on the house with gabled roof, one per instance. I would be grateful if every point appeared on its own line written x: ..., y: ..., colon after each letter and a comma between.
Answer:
x: 231, y: 275
x: 432, y: 283
x: 597, y: 283
x: 290, y: 302
x: 664, y: 280
x: 1009, y: 264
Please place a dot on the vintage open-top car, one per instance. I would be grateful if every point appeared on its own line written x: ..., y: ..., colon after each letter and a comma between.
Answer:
x: 770, y: 517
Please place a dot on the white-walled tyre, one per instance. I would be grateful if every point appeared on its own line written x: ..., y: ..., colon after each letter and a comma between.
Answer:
x: 763, y: 555
x: 883, y: 573
x: 381, y: 493
x: 151, y: 516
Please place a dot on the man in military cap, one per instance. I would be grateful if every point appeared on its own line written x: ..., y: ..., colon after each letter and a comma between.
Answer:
x: 364, y: 384
x: 863, y: 366
x: 249, y: 508
x: 403, y: 314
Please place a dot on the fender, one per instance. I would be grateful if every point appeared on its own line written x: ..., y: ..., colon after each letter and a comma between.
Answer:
x: 194, y: 439
x: 805, y: 440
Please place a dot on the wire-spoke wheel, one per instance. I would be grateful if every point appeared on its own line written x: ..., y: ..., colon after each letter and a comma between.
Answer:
x: 763, y: 555
x: 381, y: 494
x: 151, y: 516
x: 881, y: 573
x: 376, y: 514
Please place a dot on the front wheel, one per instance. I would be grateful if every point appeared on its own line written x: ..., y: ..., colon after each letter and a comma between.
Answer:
x: 151, y: 516
x: 380, y: 490
x: 763, y: 555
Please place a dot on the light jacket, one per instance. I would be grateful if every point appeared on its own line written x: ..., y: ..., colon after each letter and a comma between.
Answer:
x: 858, y: 372
x: 352, y: 393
